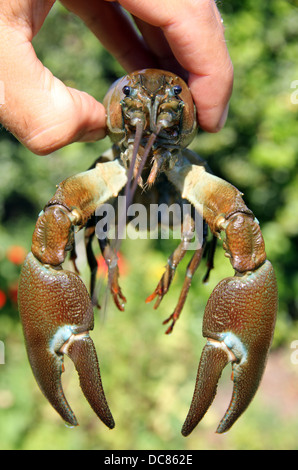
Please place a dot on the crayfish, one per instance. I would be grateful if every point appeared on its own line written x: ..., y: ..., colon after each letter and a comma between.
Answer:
x: 151, y: 119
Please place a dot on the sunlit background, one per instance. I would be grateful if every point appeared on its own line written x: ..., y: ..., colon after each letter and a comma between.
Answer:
x: 149, y: 376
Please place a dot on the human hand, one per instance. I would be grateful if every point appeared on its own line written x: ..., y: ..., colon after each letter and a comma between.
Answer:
x: 38, y: 108
x: 182, y: 36
x: 185, y: 36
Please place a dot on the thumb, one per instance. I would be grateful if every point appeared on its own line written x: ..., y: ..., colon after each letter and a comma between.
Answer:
x: 38, y: 108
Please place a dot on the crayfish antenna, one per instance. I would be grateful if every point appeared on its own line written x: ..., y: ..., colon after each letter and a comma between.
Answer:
x: 129, y: 188
x: 147, y: 150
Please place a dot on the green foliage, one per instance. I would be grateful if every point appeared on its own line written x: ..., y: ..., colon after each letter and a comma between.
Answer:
x: 148, y: 376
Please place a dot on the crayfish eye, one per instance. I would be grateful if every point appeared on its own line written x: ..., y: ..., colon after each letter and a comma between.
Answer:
x: 177, y: 89
x: 126, y: 90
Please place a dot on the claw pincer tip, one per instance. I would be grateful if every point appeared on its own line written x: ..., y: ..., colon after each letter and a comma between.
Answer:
x: 57, y: 315
x: 251, y: 317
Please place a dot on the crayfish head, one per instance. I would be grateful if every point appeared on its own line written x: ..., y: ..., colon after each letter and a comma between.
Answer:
x: 150, y: 113
x: 156, y: 100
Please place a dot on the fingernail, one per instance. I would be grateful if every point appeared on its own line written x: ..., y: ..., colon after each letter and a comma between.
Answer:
x: 223, y: 118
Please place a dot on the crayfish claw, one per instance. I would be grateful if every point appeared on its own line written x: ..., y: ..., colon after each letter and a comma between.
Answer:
x: 80, y: 349
x: 57, y: 314
x: 239, y: 329
x: 213, y: 360
x: 246, y: 378
x: 47, y: 367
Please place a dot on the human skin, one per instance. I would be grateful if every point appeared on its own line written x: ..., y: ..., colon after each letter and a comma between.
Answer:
x: 183, y: 36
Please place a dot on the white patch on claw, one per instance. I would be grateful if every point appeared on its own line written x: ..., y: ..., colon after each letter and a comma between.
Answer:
x: 221, y: 345
x: 71, y: 340
x: 232, y: 345
x: 61, y: 337
x: 235, y: 345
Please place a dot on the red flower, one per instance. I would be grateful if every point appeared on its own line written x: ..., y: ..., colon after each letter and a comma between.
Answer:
x: 16, y: 254
x: 2, y: 299
x: 13, y: 292
x: 122, y: 265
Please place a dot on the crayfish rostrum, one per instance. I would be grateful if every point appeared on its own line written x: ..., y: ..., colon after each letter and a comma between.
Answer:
x: 151, y: 119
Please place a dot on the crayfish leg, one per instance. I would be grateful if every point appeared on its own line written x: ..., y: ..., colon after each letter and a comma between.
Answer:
x: 210, y: 258
x: 190, y: 271
x: 176, y: 257
x: 111, y: 260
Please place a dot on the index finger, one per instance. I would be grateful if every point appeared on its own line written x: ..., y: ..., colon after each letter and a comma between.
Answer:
x: 195, y: 33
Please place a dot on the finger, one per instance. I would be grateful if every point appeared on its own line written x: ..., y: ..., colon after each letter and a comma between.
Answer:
x: 39, y: 109
x: 195, y: 33
x: 118, y: 34
x: 155, y: 39
x: 116, y: 31
x: 28, y: 15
